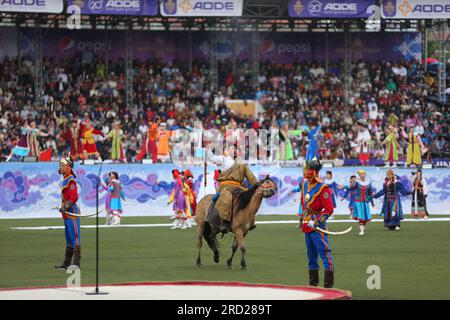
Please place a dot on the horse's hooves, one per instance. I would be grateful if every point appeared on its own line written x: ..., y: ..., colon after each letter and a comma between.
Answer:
x: 216, y: 259
x: 244, y: 268
x: 198, y: 264
x: 229, y: 267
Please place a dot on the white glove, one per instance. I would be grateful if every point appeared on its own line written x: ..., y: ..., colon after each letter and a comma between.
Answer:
x: 311, y: 224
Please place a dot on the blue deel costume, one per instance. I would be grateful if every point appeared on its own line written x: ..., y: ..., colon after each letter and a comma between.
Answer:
x: 363, y: 192
x: 313, y: 146
x: 392, y: 206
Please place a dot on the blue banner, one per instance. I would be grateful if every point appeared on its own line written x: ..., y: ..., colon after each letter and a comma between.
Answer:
x: 30, y: 190
x: 117, y: 7
x: 320, y: 9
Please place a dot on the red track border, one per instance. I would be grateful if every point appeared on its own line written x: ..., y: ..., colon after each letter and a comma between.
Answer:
x: 328, y: 294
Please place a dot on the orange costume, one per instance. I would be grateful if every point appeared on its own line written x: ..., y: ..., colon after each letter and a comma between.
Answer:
x: 89, y: 146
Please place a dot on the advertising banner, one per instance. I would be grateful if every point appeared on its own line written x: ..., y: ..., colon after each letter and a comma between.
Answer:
x: 35, y: 6
x: 201, y: 8
x: 117, y: 7
x: 30, y: 190
x: 320, y: 9
x: 415, y: 9
x: 283, y: 48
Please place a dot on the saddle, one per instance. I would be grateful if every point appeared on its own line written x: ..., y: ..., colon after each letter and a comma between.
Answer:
x: 213, y: 216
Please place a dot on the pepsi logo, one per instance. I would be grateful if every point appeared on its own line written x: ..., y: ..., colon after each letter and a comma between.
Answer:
x: 267, y: 47
x: 66, y: 44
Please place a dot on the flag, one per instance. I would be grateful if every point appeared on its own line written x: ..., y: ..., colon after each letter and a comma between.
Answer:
x: 46, y: 155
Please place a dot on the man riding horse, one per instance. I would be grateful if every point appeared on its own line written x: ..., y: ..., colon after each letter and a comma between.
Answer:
x: 231, y: 179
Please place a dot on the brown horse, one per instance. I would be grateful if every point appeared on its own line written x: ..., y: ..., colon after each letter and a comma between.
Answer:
x: 243, y: 220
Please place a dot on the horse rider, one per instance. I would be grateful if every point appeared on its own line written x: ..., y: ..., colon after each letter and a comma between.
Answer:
x: 232, y: 177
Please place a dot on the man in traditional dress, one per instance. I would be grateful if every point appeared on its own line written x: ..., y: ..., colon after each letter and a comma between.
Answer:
x: 392, y: 205
x: 190, y: 198
x: 68, y: 209
x: 232, y: 177
x: 89, y: 146
x: 317, y: 206
x: 363, y: 141
x: 313, y: 146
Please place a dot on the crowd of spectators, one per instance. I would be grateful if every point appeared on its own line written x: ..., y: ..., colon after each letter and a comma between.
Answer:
x: 292, y: 96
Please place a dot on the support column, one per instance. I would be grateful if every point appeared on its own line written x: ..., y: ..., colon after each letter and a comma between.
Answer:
x: 327, y: 55
x: 106, y: 53
x: 213, y: 63
x: 256, y: 45
x: 38, y: 72
x: 347, y: 62
x: 129, y: 67
x: 442, y: 81
x: 190, y: 49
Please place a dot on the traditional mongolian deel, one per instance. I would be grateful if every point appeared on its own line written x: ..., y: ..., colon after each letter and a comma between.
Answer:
x: 317, y: 206
x: 69, y: 198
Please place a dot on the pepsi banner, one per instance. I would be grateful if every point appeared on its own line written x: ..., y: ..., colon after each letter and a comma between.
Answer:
x: 201, y: 8
x: 331, y: 8
x: 415, y: 9
x: 117, y: 7
x: 34, y: 6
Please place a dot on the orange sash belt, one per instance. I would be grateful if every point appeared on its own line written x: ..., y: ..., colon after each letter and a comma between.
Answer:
x: 229, y: 183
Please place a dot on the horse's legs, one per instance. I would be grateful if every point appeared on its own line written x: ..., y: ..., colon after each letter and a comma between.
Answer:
x: 199, y: 247
x: 240, y: 239
x: 234, y: 247
x: 214, y: 242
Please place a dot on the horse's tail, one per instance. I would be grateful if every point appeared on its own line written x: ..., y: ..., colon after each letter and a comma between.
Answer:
x: 212, y: 241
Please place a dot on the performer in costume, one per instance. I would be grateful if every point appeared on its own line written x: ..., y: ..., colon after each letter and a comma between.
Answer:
x: 190, y: 198
x: 177, y: 197
x: 116, y: 136
x: 73, y: 134
x: 231, y: 178
x: 317, y: 207
x: 350, y: 195
x: 300, y: 210
x: 22, y: 148
x: 313, y: 146
x: 109, y: 214
x: 69, y: 198
x: 391, y: 156
x: 89, y: 147
x: 149, y: 148
x: 363, y: 141
x: 117, y: 195
x: 415, y: 147
x: 392, y: 206
x: 334, y: 187
x: 419, y: 195
x: 363, y: 192
x: 33, y: 141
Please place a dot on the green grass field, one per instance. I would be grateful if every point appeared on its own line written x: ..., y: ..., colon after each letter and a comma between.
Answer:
x: 414, y: 262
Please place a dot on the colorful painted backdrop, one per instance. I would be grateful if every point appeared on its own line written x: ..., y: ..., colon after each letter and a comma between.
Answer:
x: 30, y: 190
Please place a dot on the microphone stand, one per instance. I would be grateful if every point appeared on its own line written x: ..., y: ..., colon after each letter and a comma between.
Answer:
x: 97, y: 291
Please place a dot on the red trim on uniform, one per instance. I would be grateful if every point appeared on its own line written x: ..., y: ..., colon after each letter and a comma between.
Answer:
x: 76, y: 232
x: 330, y: 262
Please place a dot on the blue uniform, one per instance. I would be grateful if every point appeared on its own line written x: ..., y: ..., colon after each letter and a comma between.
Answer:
x: 69, y: 197
x: 318, y: 207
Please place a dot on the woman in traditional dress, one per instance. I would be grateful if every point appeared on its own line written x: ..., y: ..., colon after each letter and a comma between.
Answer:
x: 116, y: 136
x: 415, y: 147
x: 286, y: 152
x: 391, y: 156
x: 313, y: 147
x: 89, y: 147
x: 109, y: 213
x: 362, y: 197
x: 349, y: 194
x: 117, y: 195
x: 392, y: 205
x: 177, y: 197
x: 33, y: 141
x: 419, y: 195
x: 22, y: 148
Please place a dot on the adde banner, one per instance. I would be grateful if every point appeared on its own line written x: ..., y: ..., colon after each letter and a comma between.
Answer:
x: 201, y: 8
x: 331, y: 8
x: 35, y: 6
x: 117, y: 7
x: 415, y: 9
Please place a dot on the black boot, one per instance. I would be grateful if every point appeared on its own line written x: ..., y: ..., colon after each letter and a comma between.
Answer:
x: 329, y: 279
x: 67, y: 259
x: 77, y: 256
x: 314, y: 278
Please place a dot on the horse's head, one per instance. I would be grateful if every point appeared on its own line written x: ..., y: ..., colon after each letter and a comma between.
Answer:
x: 267, y: 187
